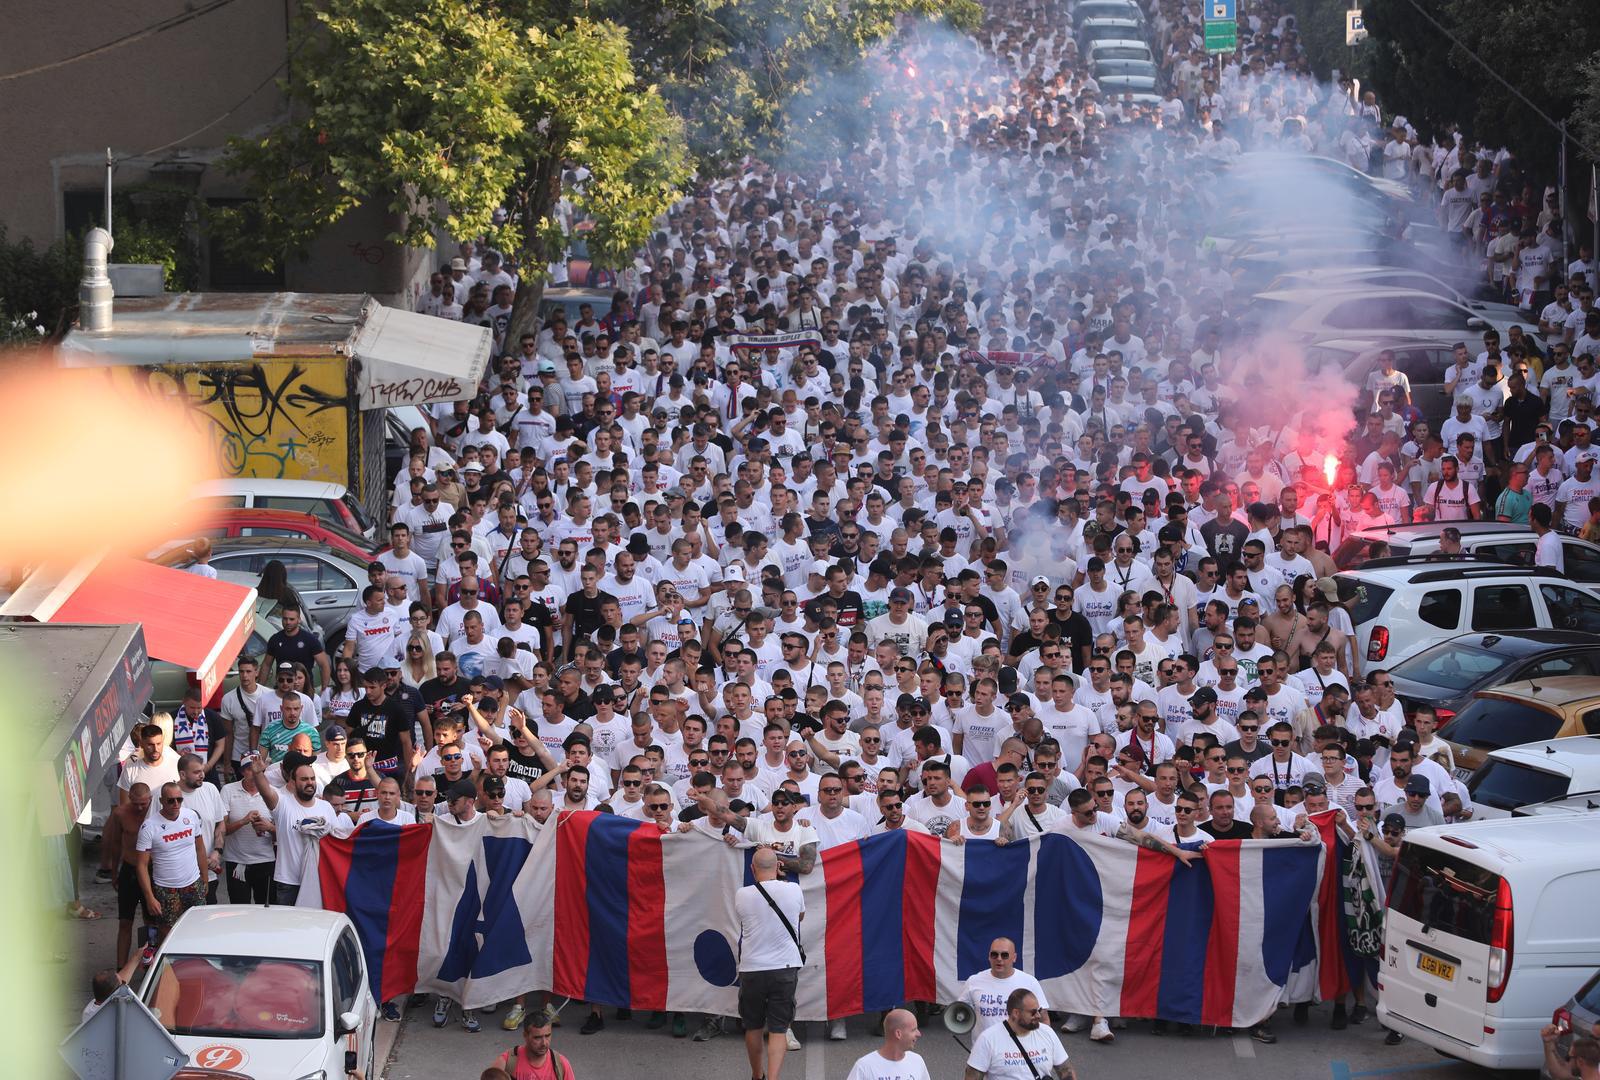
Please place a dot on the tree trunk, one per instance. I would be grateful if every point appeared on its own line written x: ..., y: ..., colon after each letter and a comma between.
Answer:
x: 543, y: 193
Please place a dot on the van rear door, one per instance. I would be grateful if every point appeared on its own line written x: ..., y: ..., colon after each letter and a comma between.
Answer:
x: 1437, y: 934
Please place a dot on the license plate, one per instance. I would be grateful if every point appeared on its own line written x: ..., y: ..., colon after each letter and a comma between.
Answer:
x: 1462, y: 774
x: 1436, y: 967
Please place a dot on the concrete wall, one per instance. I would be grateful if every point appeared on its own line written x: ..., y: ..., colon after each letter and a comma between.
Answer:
x: 175, y: 85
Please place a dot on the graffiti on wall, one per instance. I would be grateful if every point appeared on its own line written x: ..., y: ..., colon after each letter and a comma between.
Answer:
x: 282, y: 419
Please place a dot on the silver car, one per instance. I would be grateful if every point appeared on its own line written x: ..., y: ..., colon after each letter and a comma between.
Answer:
x: 329, y: 583
x: 1578, y: 1017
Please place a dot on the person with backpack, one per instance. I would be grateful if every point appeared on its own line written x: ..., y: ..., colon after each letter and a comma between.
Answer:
x: 535, y: 1059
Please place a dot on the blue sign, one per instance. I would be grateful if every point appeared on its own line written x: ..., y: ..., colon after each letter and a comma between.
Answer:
x: 1221, y: 10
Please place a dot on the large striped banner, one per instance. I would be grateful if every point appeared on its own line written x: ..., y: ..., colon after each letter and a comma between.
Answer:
x: 609, y: 910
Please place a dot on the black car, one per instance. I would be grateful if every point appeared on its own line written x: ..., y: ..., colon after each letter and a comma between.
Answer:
x: 1447, y: 674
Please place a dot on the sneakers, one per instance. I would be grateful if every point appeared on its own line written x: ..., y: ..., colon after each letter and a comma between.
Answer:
x: 514, y: 1018
x: 709, y: 1030
x: 469, y: 1022
x: 441, y: 1012
x: 1341, y: 1019
x: 592, y: 1024
x: 794, y: 1043
x: 1358, y: 1014
x: 680, y: 1026
x: 836, y: 1030
x: 1101, y: 1031
x: 103, y: 876
x: 1075, y: 1023
x: 1261, y: 1035
x: 391, y: 1012
x: 1394, y: 1038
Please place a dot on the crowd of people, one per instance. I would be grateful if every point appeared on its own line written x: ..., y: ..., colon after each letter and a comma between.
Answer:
x: 1008, y: 545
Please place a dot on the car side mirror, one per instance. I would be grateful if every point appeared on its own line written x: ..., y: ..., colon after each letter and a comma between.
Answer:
x: 349, y: 1022
x: 1476, y: 324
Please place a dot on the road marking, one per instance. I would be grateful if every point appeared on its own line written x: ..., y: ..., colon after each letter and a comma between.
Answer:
x: 817, y: 1053
x: 1243, y: 1046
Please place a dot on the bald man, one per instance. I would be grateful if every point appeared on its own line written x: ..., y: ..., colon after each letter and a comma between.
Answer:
x: 770, y: 959
x: 895, y: 1059
x: 988, y: 991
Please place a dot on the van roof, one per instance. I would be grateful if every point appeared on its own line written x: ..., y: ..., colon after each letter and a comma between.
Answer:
x: 302, y: 489
x: 1542, y: 839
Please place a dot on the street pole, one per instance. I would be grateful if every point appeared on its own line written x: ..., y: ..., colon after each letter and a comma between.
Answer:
x: 1566, y: 224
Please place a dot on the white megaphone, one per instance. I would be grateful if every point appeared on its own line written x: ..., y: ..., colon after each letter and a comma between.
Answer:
x: 959, y: 1018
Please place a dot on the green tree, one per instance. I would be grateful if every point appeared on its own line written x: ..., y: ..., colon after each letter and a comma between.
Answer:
x: 1547, y: 49
x: 445, y: 110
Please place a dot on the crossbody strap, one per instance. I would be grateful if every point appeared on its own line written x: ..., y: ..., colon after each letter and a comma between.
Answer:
x: 787, y: 925
x: 1026, y: 1060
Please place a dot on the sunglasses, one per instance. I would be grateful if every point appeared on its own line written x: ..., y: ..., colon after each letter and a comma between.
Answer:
x: 997, y: 955
x: 1237, y: 769
x: 356, y: 755
x: 656, y: 806
x: 980, y: 802
x: 1036, y: 791
x: 890, y: 805
x: 449, y: 757
x: 1280, y: 742
x: 633, y: 783
x: 1185, y: 809
x: 171, y: 800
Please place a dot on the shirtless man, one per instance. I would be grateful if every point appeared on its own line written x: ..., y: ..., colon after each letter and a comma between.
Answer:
x: 121, y: 836
x: 1315, y: 631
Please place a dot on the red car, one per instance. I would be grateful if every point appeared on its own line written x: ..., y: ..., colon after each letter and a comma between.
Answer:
x: 287, y: 523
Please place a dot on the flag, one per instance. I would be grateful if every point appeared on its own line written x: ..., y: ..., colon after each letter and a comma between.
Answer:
x: 611, y: 911
x: 377, y: 876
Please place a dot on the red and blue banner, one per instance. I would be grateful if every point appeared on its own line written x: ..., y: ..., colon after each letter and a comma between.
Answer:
x: 609, y: 910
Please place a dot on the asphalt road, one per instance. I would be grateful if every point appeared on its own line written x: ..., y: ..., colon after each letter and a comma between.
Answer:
x: 629, y: 1049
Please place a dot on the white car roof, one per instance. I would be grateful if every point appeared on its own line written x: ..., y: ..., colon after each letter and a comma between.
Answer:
x: 246, y: 930
x: 1548, y: 840
x: 297, y: 489
x: 1576, y: 756
x: 1381, y: 292
x: 1401, y: 575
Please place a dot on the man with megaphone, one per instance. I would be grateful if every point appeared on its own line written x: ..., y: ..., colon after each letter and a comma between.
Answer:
x: 987, y: 991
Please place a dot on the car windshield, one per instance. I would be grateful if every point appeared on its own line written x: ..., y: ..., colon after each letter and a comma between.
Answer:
x: 1122, y: 52
x: 1490, y: 723
x: 1452, y: 665
x: 245, y: 997
x: 1506, y: 785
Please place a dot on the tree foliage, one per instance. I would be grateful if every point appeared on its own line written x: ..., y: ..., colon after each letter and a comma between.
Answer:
x: 443, y: 111
x: 1548, y: 49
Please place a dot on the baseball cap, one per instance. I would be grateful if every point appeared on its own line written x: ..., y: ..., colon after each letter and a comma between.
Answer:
x: 462, y: 789
x: 494, y: 785
x: 1203, y: 696
x: 1313, y: 785
x: 952, y: 617
x: 602, y: 693
x: 902, y: 595
x: 1255, y: 693
x: 1393, y: 822
x: 1039, y: 579
x: 337, y: 732
x: 908, y: 701
x: 1417, y: 784
x: 1017, y: 701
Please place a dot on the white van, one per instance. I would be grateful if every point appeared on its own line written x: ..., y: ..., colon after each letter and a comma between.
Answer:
x: 1490, y: 926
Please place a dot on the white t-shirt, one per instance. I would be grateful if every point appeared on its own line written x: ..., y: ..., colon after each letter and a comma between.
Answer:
x: 987, y: 995
x: 205, y: 802
x: 245, y: 845
x: 296, y: 848
x: 761, y: 831
x: 171, y: 848
x: 764, y: 942
x: 995, y: 1054
x: 875, y: 1066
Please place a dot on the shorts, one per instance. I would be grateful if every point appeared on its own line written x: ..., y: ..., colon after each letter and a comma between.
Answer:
x: 130, y: 896
x: 174, y: 902
x: 766, y: 999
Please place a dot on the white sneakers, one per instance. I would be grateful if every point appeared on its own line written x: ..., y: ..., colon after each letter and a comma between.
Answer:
x: 1101, y: 1031
x: 836, y: 1030
x: 1075, y: 1023
x: 794, y: 1043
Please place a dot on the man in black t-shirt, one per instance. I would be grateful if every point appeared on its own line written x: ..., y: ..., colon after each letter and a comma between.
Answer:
x: 359, y: 783
x: 297, y: 645
x: 582, y: 609
x: 442, y: 696
x: 409, y: 699
x: 383, y: 722
x: 1223, y: 824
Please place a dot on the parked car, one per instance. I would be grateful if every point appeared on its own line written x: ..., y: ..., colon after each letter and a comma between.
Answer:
x: 1448, y: 674
x: 1424, y: 364
x: 1109, y: 28
x: 1398, y: 277
x: 1107, y: 9
x: 1271, y: 165
x: 332, y: 503
x: 1142, y: 69
x: 1578, y: 1016
x: 269, y: 992
x: 328, y: 582
x: 1135, y: 88
x: 1489, y: 928
x: 231, y: 523
x: 1495, y: 540
x: 1526, y: 778
x: 1308, y: 315
x: 1402, y: 606
x: 570, y: 301
x: 1528, y: 711
x: 1118, y: 49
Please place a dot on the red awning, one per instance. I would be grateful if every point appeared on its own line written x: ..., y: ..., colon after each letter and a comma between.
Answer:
x: 190, y: 621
